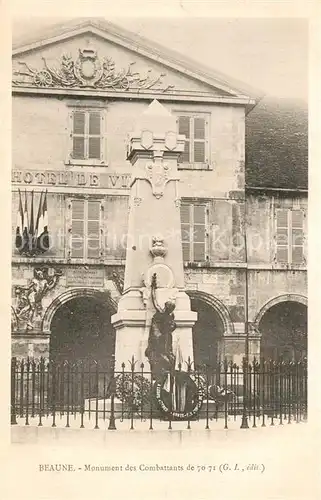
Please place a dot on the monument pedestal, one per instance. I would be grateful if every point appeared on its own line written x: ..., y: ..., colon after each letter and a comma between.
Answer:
x: 154, y: 246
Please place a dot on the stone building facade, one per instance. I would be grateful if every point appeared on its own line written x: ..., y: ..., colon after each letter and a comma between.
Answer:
x: 76, y: 95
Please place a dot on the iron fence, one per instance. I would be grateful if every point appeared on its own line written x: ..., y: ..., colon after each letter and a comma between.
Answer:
x: 84, y: 394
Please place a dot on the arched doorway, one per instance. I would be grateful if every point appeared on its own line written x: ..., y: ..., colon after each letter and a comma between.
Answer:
x: 208, y: 332
x: 283, y: 327
x: 81, y: 329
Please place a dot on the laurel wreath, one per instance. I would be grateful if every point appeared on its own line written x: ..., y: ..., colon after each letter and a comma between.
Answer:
x: 134, y: 391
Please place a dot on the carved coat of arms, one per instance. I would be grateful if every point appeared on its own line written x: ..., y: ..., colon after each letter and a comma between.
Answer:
x: 158, y: 176
x: 88, y: 68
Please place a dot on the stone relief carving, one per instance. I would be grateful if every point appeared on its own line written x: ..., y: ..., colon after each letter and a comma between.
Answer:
x: 88, y: 70
x: 158, y: 176
x: 165, y: 276
x: 29, y: 298
x: 158, y: 247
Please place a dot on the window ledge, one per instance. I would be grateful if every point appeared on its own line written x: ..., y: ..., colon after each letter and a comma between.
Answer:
x: 194, y: 166
x: 64, y: 260
x: 86, y: 163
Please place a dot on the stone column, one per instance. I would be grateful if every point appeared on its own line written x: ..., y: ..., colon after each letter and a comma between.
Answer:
x: 154, y: 238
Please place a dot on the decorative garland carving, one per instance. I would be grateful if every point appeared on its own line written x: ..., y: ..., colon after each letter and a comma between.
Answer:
x: 86, y: 71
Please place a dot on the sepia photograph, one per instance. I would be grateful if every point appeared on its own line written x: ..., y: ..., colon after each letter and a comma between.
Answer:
x: 159, y: 235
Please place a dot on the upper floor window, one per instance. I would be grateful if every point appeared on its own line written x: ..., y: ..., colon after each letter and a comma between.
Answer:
x: 85, y: 229
x: 194, y: 228
x: 289, y: 236
x: 86, y: 134
x: 195, y: 129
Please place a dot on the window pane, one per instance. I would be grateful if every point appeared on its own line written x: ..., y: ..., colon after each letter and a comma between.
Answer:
x: 199, y: 214
x: 199, y: 234
x: 199, y: 252
x: 199, y: 128
x: 94, y: 148
x: 93, y: 210
x: 199, y: 152
x: 185, y: 213
x: 282, y: 254
x: 78, y: 209
x: 297, y: 237
x: 94, y: 123
x: 185, y: 232
x: 93, y: 229
x: 185, y: 156
x: 184, y: 126
x: 93, y: 248
x: 79, y: 122
x: 282, y: 236
x: 297, y: 218
x: 186, y: 249
x: 297, y: 255
x: 77, y: 247
x: 78, y: 148
x: 77, y: 228
x: 282, y: 218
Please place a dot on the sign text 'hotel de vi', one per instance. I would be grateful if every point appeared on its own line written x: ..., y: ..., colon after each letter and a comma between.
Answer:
x: 71, y: 179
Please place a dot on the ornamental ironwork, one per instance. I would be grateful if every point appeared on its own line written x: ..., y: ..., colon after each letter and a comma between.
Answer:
x: 86, y: 71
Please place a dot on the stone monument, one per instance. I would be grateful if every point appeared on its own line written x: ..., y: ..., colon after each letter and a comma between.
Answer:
x: 154, y: 247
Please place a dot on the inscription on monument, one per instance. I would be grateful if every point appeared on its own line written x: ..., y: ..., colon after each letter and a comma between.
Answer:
x: 71, y: 179
x: 80, y: 276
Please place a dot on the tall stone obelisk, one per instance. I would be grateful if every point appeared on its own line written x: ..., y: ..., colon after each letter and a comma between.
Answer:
x: 154, y: 239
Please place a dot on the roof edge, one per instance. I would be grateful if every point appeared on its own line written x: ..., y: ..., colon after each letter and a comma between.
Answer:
x: 137, y: 43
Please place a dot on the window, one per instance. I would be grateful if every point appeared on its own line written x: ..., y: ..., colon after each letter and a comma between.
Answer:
x: 194, y: 232
x: 195, y: 129
x: 289, y: 236
x: 85, y: 229
x: 86, y: 136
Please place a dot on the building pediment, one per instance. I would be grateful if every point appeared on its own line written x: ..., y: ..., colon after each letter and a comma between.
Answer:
x: 95, y: 55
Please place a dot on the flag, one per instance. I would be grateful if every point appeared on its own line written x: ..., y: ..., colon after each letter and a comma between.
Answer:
x: 43, y: 238
x: 45, y: 213
x: 39, y: 222
x: 25, y: 226
x: 19, y: 227
x: 178, y: 357
x: 31, y: 227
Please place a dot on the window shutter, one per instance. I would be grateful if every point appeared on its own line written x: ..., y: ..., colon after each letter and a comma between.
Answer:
x: 79, y: 123
x: 94, y: 139
x: 184, y: 128
x: 94, y: 123
x: 93, y: 230
x: 199, y: 152
x: 282, y: 236
x: 94, y: 148
x: 199, y: 140
x: 77, y: 229
x: 78, y: 135
x: 199, y: 128
x: 199, y: 232
x: 186, y: 231
x: 297, y: 237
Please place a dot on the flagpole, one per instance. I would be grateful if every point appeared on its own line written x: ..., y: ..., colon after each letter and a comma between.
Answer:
x: 31, y: 226
x: 38, y: 214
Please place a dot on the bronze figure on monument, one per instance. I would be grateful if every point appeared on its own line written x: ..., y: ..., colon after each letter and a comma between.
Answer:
x: 160, y: 349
